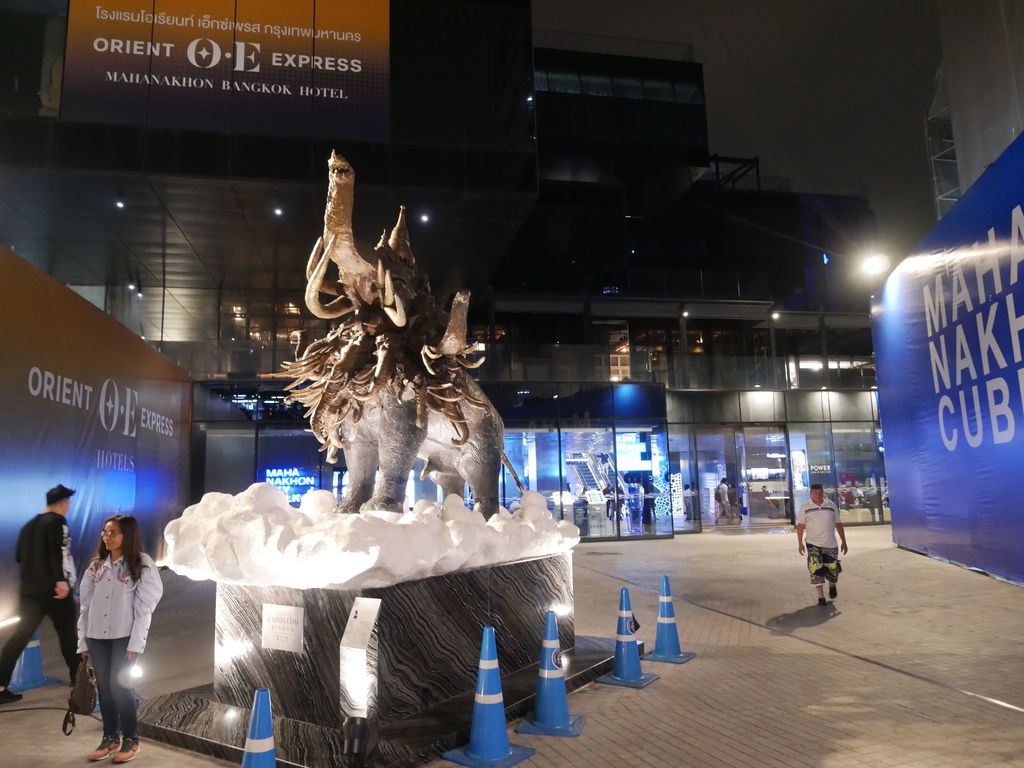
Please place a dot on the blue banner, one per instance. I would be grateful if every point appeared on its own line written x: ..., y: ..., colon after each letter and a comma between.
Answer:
x: 949, y: 344
x: 87, y: 404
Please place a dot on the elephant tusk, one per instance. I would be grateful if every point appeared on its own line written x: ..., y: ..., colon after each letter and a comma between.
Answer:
x: 446, y: 385
x: 474, y: 364
x: 396, y: 313
x: 340, y: 306
x: 426, y: 361
x: 314, y: 256
x: 431, y: 352
x: 389, y: 289
x: 380, y: 276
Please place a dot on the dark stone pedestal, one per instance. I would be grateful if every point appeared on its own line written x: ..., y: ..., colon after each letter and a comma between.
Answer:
x: 414, y: 685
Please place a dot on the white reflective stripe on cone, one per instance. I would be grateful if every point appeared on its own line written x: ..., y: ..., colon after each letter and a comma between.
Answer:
x: 488, y: 663
x: 666, y: 619
x: 259, y: 745
x: 488, y: 698
x: 625, y: 638
x: 551, y: 673
x: 664, y: 599
x: 33, y: 644
x: 549, y: 644
x: 626, y: 614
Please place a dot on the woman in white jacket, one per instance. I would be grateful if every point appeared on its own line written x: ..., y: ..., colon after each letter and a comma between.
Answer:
x: 119, y: 592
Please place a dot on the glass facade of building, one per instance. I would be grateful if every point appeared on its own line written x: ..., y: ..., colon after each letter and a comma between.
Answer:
x: 619, y: 460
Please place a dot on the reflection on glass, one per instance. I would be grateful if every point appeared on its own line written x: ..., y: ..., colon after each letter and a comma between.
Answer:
x: 642, y: 460
x: 765, y: 474
x: 717, y: 471
x: 860, y: 472
x: 811, y: 460
x: 591, y: 481
x: 685, y: 498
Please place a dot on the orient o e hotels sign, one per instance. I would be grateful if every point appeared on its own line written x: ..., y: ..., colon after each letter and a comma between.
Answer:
x: 300, y: 68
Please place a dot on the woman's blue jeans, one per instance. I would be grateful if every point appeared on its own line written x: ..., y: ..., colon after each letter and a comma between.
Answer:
x: 114, y: 682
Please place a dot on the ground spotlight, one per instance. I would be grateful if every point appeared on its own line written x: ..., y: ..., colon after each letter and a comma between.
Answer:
x: 136, y: 671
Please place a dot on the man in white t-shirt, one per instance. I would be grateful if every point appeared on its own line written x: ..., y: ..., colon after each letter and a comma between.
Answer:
x: 819, y: 519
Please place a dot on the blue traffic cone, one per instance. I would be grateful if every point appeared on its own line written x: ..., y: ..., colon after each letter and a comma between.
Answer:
x: 259, y: 745
x: 488, y: 736
x: 551, y: 716
x: 28, y: 672
x: 666, y: 642
x: 626, y: 669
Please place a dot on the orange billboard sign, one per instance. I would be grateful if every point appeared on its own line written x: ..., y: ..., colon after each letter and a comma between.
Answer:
x: 301, y: 68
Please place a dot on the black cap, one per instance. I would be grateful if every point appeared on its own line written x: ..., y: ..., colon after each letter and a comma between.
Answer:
x: 817, y: 487
x: 58, y: 493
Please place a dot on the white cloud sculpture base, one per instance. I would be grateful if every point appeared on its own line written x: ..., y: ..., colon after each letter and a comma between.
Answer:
x: 256, y: 538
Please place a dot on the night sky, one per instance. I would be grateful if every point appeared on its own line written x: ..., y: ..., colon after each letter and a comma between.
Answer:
x: 825, y: 93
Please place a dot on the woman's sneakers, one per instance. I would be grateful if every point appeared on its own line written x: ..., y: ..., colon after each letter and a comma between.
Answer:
x: 832, y: 591
x: 129, y: 749
x: 107, y: 747
x: 822, y: 601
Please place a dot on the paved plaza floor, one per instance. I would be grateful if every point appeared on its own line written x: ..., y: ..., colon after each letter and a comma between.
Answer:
x: 917, y: 663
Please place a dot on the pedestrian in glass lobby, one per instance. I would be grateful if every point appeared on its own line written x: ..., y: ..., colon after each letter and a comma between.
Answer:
x: 47, y: 577
x: 119, y: 592
x: 819, y: 518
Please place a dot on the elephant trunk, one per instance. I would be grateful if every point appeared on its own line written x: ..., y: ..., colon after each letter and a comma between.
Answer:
x: 338, y: 221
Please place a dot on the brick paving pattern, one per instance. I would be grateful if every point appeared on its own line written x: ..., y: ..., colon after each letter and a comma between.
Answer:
x: 892, y: 675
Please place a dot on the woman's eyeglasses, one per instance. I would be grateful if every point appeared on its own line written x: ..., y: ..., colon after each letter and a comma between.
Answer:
x: 109, y: 534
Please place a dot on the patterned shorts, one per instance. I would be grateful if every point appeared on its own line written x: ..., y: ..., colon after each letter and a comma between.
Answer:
x: 823, y: 564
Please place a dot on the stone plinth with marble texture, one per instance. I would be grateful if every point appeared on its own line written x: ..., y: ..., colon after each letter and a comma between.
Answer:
x: 422, y: 654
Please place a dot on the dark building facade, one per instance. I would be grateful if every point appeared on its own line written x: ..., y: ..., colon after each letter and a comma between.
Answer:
x: 655, y: 317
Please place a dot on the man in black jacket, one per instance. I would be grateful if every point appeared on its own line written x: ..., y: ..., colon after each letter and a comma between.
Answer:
x: 47, y: 578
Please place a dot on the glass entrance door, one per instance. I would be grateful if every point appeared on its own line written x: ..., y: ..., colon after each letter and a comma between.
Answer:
x: 743, y: 476
x: 765, y: 471
x: 717, y: 475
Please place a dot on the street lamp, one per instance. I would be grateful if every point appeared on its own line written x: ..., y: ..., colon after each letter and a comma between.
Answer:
x: 875, y: 264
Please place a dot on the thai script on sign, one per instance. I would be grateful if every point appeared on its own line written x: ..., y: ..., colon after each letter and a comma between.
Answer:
x: 207, y: 21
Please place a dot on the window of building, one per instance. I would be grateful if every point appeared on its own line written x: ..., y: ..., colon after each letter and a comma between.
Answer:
x: 658, y: 90
x: 860, y: 473
x: 628, y: 87
x: 564, y: 82
x: 596, y: 85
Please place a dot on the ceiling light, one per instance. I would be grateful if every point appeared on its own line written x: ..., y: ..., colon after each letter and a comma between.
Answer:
x: 775, y: 315
x: 686, y: 313
x: 278, y: 212
x: 424, y: 218
x: 143, y: 337
x: 139, y: 294
x: 131, y: 286
x: 119, y: 203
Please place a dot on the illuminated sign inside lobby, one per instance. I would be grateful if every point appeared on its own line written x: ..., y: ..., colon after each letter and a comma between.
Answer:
x: 301, y: 68
x: 293, y: 481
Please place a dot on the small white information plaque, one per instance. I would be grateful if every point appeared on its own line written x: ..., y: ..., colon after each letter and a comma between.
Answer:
x: 360, y: 623
x: 282, y: 627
